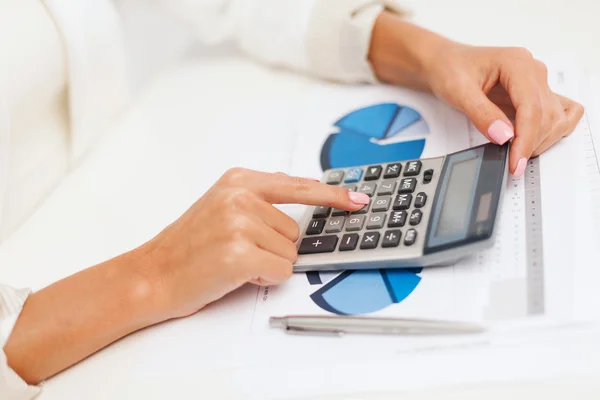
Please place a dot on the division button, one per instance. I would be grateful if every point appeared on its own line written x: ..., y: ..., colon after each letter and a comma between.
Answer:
x: 349, y: 242
x: 415, y: 217
x: 376, y: 221
x: 335, y: 177
x: 397, y: 219
x: 369, y: 240
x: 420, y: 200
x: 407, y: 185
x: 392, y: 171
x: 368, y: 188
x: 355, y: 223
x: 321, y: 212
x: 386, y: 187
x: 410, y: 238
x: 318, y: 244
x: 373, y: 173
x: 335, y: 224
x: 354, y: 175
x: 315, y: 227
x: 382, y: 203
x: 391, y: 238
x: 402, y: 202
x: 413, y: 168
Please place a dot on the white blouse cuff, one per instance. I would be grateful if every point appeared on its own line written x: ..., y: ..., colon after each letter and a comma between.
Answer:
x: 339, y: 37
x: 12, y: 387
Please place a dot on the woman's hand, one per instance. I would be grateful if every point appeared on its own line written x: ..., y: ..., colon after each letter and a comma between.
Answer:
x: 491, y: 85
x: 231, y: 236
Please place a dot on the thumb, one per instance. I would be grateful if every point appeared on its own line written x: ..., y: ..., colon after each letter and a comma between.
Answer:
x: 487, y: 117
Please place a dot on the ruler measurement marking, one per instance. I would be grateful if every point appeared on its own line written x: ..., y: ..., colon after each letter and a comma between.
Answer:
x: 534, y: 239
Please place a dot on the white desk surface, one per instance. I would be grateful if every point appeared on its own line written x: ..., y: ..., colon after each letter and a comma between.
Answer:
x: 159, y: 159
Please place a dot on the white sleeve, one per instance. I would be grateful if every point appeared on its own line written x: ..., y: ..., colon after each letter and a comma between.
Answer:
x: 327, y: 38
x: 12, y: 387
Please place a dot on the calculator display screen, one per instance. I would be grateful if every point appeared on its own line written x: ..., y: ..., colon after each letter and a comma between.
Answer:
x: 454, y: 215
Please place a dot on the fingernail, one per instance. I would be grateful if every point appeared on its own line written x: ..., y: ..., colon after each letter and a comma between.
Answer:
x: 500, y: 132
x: 520, y: 167
x: 359, y: 198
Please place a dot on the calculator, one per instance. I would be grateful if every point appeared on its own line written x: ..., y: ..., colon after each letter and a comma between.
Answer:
x: 422, y: 213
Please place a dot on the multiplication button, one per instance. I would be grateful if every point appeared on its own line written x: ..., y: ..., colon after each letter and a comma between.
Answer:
x: 318, y: 244
x: 369, y: 240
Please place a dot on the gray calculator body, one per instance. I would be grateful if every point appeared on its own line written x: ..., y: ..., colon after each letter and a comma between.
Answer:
x: 426, y: 212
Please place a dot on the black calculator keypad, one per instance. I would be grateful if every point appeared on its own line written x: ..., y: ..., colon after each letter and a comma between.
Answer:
x: 373, y: 173
x: 315, y: 227
x: 349, y: 242
x: 395, y: 203
x: 370, y: 240
x: 318, y: 244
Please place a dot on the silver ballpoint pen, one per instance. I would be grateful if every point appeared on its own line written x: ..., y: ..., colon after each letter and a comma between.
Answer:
x: 339, y: 325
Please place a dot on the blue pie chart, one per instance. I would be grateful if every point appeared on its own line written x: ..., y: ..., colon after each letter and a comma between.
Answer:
x: 363, y: 138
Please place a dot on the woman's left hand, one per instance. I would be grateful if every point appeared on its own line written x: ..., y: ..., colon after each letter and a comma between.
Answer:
x: 493, y: 86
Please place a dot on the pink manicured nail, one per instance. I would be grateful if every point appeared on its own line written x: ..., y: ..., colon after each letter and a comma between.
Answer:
x: 359, y: 198
x: 500, y: 132
x: 520, y: 167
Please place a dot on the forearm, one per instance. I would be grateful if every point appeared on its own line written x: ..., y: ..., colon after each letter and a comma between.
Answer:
x: 401, y: 52
x: 75, y: 317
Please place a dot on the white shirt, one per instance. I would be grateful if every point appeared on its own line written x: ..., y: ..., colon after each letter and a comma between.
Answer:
x: 82, y: 52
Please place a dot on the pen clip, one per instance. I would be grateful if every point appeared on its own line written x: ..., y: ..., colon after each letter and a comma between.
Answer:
x: 295, y: 330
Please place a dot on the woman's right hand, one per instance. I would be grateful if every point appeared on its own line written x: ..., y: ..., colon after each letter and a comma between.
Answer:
x: 232, y: 235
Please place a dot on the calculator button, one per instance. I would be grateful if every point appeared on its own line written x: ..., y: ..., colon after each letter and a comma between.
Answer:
x: 369, y: 240
x: 407, y: 185
x: 376, y: 221
x: 382, y: 203
x: 335, y: 224
x: 349, y: 242
x: 335, y: 177
x: 355, y: 223
x: 410, y: 238
x: 427, y: 176
x: 367, y: 188
x: 315, y: 227
x: 338, y: 213
x: 386, y: 187
x: 391, y: 238
x: 363, y: 210
x: 402, y: 202
x: 420, y: 200
x: 373, y: 173
x: 318, y: 244
x: 397, y: 219
x: 321, y: 212
x: 415, y: 217
x: 351, y: 188
x: 353, y: 175
x: 392, y: 171
x: 413, y: 168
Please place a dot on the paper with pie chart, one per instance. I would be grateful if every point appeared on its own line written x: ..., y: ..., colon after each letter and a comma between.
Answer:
x: 346, y: 126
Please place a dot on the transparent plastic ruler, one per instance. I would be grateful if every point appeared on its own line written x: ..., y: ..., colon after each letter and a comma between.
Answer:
x: 534, y: 238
